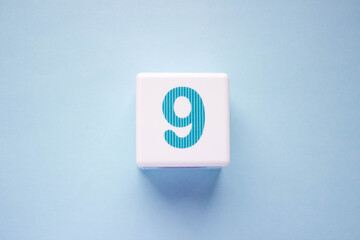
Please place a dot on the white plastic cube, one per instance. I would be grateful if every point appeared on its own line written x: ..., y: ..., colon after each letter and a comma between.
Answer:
x: 182, y: 120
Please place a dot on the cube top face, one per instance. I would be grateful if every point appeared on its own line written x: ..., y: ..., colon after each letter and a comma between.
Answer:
x: 182, y: 120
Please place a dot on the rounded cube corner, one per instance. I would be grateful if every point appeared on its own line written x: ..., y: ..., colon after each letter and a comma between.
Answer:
x: 225, y: 76
x: 140, y: 163
x: 225, y: 163
x: 139, y: 75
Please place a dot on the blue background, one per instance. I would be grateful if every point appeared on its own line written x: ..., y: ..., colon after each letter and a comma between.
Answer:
x: 67, y: 119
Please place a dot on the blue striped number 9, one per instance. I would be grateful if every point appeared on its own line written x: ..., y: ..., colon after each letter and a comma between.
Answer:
x: 196, y: 117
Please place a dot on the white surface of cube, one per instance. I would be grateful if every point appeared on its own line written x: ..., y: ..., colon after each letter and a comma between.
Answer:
x: 182, y: 120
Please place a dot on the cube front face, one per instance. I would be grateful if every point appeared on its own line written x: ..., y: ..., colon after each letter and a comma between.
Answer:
x: 182, y: 120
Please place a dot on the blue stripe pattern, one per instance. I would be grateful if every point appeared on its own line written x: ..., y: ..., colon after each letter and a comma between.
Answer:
x: 196, y: 117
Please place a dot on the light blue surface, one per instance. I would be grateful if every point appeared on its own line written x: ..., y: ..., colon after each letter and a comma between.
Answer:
x: 67, y: 130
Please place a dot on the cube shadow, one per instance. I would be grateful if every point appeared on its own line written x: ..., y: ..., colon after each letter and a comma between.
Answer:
x: 180, y: 183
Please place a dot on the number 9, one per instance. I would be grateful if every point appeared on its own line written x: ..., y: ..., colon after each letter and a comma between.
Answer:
x: 196, y: 117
